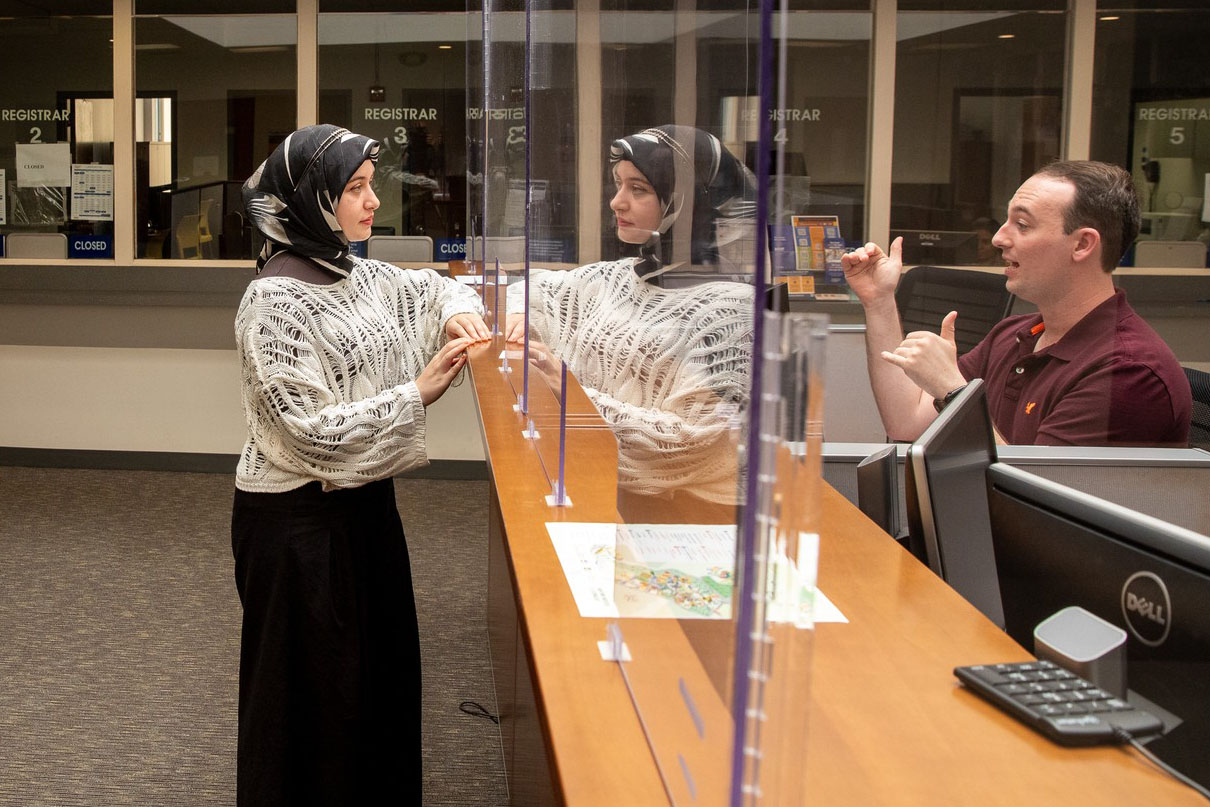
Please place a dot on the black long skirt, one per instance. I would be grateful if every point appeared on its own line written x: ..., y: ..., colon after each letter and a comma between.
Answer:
x: 329, y: 690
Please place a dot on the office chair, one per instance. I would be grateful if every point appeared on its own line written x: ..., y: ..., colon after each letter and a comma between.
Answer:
x: 1199, y: 428
x: 35, y: 245
x: 399, y: 248
x: 927, y: 293
x: 188, y: 237
x: 508, y: 248
x: 204, y: 236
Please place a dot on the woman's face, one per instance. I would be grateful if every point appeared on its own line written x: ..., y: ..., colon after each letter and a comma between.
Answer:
x: 355, y: 210
x: 635, y: 204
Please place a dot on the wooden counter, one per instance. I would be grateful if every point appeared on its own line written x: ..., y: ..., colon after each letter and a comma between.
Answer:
x: 888, y: 723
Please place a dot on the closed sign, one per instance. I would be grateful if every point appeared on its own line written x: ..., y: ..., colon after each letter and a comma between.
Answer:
x: 449, y: 249
x: 90, y: 246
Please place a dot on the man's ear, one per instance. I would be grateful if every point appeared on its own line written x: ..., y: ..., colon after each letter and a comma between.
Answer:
x: 1087, y: 245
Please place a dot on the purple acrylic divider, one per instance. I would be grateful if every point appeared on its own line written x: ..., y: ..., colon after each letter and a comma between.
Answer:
x: 528, y: 192
x: 525, y: 351
x: 495, y: 297
x: 747, y: 529
x: 560, y: 484
x: 482, y: 272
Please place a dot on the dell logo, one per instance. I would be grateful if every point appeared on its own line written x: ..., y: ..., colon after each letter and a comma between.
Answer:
x: 1147, y: 608
x: 1151, y: 610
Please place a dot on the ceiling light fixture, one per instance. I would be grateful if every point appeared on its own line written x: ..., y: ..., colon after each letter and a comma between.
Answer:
x: 1007, y: 36
x: 260, y: 49
x: 1109, y: 18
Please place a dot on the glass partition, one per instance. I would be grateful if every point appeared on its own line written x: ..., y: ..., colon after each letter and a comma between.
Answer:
x: 671, y: 135
x: 780, y: 559
x: 642, y: 197
x: 56, y: 137
x: 217, y: 94
x: 503, y: 116
x: 978, y: 108
x: 1151, y: 114
x: 819, y: 121
x: 506, y: 198
x: 497, y: 237
x: 401, y: 79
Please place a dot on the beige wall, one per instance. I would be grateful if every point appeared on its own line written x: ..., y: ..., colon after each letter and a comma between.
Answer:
x: 153, y: 399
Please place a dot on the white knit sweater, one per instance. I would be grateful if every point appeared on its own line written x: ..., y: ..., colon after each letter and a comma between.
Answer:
x: 668, y: 369
x: 328, y: 371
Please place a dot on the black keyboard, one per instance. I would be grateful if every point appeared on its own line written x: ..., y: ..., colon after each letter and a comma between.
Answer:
x: 1058, y: 703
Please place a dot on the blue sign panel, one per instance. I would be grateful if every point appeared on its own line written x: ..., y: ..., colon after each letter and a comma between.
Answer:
x: 90, y: 246
x: 449, y: 249
x: 357, y: 249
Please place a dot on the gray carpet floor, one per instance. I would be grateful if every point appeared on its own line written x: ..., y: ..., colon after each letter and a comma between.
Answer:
x: 119, y: 639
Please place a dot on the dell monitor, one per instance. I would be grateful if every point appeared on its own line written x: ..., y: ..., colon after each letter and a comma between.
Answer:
x: 946, y: 492
x: 878, y: 488
x: 1057, y: 547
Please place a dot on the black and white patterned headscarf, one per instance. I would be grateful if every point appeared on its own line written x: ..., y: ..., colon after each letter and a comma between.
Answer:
x: 682, y: 163
x: 292, y: 197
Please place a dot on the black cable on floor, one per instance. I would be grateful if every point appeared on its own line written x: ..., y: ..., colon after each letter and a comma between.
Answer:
x: 475, y: 710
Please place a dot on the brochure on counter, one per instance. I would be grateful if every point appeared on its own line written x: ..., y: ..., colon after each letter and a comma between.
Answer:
x: 806, y: 256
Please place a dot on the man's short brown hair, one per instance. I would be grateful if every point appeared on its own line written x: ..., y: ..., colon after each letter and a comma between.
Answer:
x: 1104, y: 200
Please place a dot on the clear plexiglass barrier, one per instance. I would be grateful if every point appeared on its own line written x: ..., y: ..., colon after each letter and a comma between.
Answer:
x: 631, y: 187
x: 715, y: 618
x: 509, y: 219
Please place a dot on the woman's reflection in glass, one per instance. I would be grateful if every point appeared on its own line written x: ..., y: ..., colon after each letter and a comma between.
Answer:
x: 658, y: 342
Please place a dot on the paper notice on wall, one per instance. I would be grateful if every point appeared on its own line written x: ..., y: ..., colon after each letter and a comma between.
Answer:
x: 3, y: 199
x: 514, y: 206
x: 43, y: 165
x: 92, y: 192
x: 1206, y: 200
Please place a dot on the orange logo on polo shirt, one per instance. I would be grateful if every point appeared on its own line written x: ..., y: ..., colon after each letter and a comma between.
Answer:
x: 1029, y: 407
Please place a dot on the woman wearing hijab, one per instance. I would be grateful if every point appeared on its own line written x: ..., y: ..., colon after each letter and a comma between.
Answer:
x: 666, y: 368
x: 685, y: 168
x: 340, y: 357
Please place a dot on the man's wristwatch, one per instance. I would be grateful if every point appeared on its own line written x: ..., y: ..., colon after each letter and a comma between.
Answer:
x: 948, y: 398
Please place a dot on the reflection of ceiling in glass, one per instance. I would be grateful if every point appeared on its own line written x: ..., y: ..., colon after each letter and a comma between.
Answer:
x: 361, y: 6
x: 560, y: 26
x: 355, y: 29
x: 913, y: 25
x: 73, y: 8
x: 171, y: 7
x: 343, y: 29
x: 659, y: 26
x: 241, y: 31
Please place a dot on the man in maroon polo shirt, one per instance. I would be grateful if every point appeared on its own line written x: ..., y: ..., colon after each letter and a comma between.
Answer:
x: 1084, y: 370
